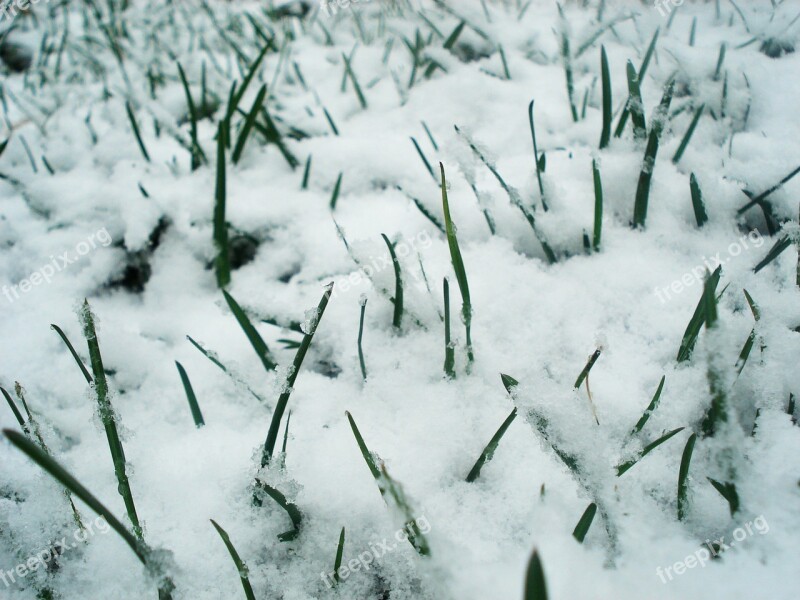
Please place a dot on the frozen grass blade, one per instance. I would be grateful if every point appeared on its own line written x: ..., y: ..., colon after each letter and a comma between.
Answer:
x: 356, y: 87
x: 397, y: 319
x: 136, y: 132
x: 698, y: 319
x: 689, y: 132
x: 249, y: 122
x: 727, y: 491
x: 241, y: 567
x: 336, y: 189
x: 650, y: 409
x: 718, y: 411
x: 598, y: 207
x: 12, y: 405
x: 566, y: 57
x: 255, y: 339
x: 535, y: 585
x: 198, y: 156
x: 458, y: 267
x: 283, y: 399
x: 539, y: 166
x: 605, y: 76
x: 449, y: 350
x: 142, y: 551
x: 635, y: 106
x: 760, y: 198
x: 213, y: 358
x: 584, y: 375
x: 748, y: 345
x: 683, y: 475
x: 624, y: 467
x: 489, y: 451
x: 425, y: 162
x: 646, y: 176
x: 363, y: 303
x: 306, y: 174
x: 585, y: 522
x: 222, y: 261
x: 187, y: 386
x: 339, y: 553
x: 291, y: 509
x: 698, y: 205
x: 623, y: 118
x: 107, y: 415
x: 71, y: 349
x: 777, y: 249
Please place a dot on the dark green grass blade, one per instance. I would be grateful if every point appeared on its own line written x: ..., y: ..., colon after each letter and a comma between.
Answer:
x: 339, y: 553
x: 650, y: 409
x: 598, y: 207
x: 425, y: 162
x: 582, y: 528
x: 306, y: 173
x: 222, y: 261
x: 624, y: 467
x: 539, y: 165
x: 255, y: 339
x: 356, y: 87
x: 777, y: 249
x: 589, y: 364
x: 397, y: 319
x: 635, y: 104
x: 458, y: 266
x: 758, y: 199
x: 453, y: 37
x: 240, y: 92
x: 449, y: 350
x: 566, y: 57
x: 286, y: 434
x: 728, y: 491
x: 291, y: 509
x: 13, y: 406
x: 241, y: 567
x: 535, y: 585
x: 689, y: 132
x: 198, y: 156
x: 683, y: 476
x: 136, y: 132
x: 697, y: 201
x: 106, y: 412
x: 71, y: 349
x: 249, y: 122
x: 623, y: 118
x: 361, y: 361
x: 748, y: 345
x: 489, y: 451
x: 605, y: 136
x: 283, y: 399
x: 646, y: 175
x: 698, y: 319
x: 190, y: 396
x: 211, y: 356
x: 718, y: 411
x: 336, y: 189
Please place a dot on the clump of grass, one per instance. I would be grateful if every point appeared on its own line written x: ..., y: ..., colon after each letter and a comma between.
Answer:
x: 190, y: 396
x: 222, y: 261
x: 449, y: 350
x: 491, y: 447
x: 683, y: 476
x: 107, y: 416
x: 397, y: 318
x: 458, y: 267
x: 255, y: 339
x: 605, y: 76
x: 241, y: 567
x: 363, y: 303
x: 585, y: 522
x: 622, y: 468
x: 535, y: 584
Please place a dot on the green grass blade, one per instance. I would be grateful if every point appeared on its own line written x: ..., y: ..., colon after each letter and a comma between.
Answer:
x: 136, y: 132
x: 190, y: 396
x: 489, y: 450
x: 758, y: 199
x: 698, y: 319
x: 585, y: 522
x: 623, y: 118
x: 198, y: 156
x: 255, y: 339
x: 650, y: 409
x: 240, y: 92
x: 624, y: 467
x: 291, y: 509
x: 453, y: 37
x: 336, y: 189
x: 727, y: 491
x: 306, y: 173
x: 349, y: 72
x: 71, y: 349
x: 283, y: 399
x: 425, y: 162
x: 107, y: 416
x: 222, y: 261
x: 210, y: 355
x: 362, y: 364
x: 697, y: 201
x: 598, y: 207
x: 636, y: 104
x: 339, y: 553
x: 589, y: 364
x: 539, y: 165
x: 241, y: 567
x: 535, y: 584
x: 13, y: 406
x: 250, y: 120
x: 777, y: 249
x: 449, y: 350
x: 683, y: 476
x: 458, y: 266
x: 566, y: 57
x: 689, y: 132
x: 397, y: 319
x: 605, y: 136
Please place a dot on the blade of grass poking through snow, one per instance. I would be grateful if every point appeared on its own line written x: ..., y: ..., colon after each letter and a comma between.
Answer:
x: 585, y: 522
x: 249, y: 122
x: 425, y: 162
x: 283, y: 399
x: 598, y: 207
x: 777, y: 249
x: 198, y: 156
x: 338, y: 561
x: 697, y: 201
x: 356, y: 87
x: 458, y: 267
x: 698, y: 319
x: 193, y: 406
x: 255, y: 339
x: 336, y: 189
x: 625, y: 466
x: 635, y: 106
x: 107, y: 416
x: 136, y: 132
x: 535, y: 585
x: 241, y: 567
x: 748, y: 345
x: 142, y: 551
x: 689, y: 132
x: 567, y: 58
x: 539, y: 167
x: 585, y: 375
x: 391, y: 492
x: 718, y: 411
x: 222, y: 261
x: 12, y: 405
x: 449, y: 350
x: 623, y: 118
x: 306, y: 174
x: 650, y: 409
x: 759, y: 199
x: 363, y: 302
x: 488, y: 452
x: 397, y: 319
x: 683, y: 476
x: 605, y: 136
x: 727, y: 491
x: 213, y: 358
x: 291, y: 509
x: 646, y: 176
x: 71, y: 349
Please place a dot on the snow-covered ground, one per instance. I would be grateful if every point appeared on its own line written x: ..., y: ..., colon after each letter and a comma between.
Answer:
x: 83, y: 214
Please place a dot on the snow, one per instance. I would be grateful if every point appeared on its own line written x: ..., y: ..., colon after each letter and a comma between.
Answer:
x: 535, y: 322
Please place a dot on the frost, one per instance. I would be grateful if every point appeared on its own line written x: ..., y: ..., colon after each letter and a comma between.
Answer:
x: 310, y: 320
